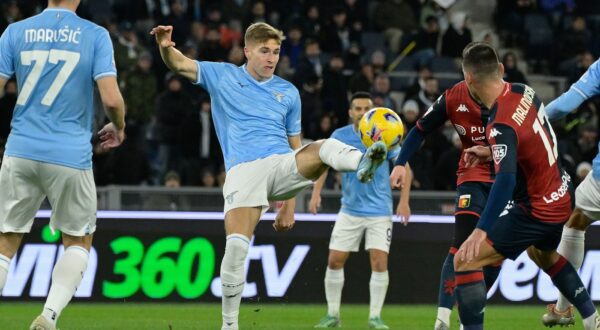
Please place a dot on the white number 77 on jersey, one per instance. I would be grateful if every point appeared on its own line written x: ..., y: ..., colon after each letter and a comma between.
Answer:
x: 41, y: 57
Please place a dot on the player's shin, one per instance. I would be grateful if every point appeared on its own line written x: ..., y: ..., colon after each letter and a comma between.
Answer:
x: 470, y: 295
x: 4, y: 265
x: 334, y: 283
x: 66, y: 276
x: 340, y: 156
x: 378, y: 288
x: 572, y: 248
x: 232, y: 278
x: 446, y: 291
x: 566, y: 279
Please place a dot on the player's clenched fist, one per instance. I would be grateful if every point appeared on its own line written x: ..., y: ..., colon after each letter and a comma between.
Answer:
x: 162, y: 35
x: 397, y: 176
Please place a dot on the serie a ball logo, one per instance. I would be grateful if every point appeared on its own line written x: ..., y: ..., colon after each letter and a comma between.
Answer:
x: 381, y: 124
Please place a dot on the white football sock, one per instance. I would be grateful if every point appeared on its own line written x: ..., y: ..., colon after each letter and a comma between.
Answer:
x: 340, y: 156
x: 378, y: 288
x: 572, y: 244
x: 66, y: 276
x: 334, y: 283
x: 443, y: 315
x: 589, y: 323
x: 4, y: 265
x: 232, y: 278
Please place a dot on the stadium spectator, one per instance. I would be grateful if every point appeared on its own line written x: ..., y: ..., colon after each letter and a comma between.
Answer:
x: 208, y: 178
x: 338, y: 34
x: 457, y: 36
x: 211, y: 49
x: 363, y: 79
x: 312, y: 23
x: 394, y: 18
x: 257, y: 14
x: 172, y: 107
x: 575, y: 40
x: 410, y: 114
x: 311, y: 63
x: 140, y: 89
x: 512, y: 73
x: 427, y: 41
x: 381, y: 92
x: 423, y: 74
x: 428, y: 94
x: 335, y: 90
x: 378, y: 62
x: 312, y: 108
x: 293, y: 45
x: 127, y: 47
x: 7, y: 105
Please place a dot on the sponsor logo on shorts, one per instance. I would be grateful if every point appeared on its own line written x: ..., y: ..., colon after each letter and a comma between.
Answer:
x: 499, y: 152
x: 464, y: 201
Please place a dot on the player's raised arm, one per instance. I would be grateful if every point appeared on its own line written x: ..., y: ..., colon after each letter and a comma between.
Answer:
x: 173, y: 58
x: 586, y: 87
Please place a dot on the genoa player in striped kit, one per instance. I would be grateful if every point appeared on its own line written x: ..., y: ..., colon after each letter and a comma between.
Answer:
x: 524, y: 152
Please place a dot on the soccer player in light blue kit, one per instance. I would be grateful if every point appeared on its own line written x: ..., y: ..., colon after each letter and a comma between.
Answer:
x: 587, y: 195
x: 257, y: 120
x: 366, y: 211
x: 56, y: 57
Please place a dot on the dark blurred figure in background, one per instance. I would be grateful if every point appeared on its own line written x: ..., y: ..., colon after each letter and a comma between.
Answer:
x: 7, y: 105
x: 512, y: 74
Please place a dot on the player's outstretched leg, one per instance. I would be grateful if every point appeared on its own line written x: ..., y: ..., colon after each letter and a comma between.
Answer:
x: 66, y: 277
x: 572, y: 248
x: 371, y: 160
x: 566, y: 279
x: 314, y: 159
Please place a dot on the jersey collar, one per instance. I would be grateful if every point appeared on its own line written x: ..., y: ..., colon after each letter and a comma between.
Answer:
x: 256, y: 81
x: 64, y: 10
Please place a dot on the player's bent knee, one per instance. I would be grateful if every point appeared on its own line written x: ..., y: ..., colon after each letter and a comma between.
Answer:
x: 578, y: 220
x: 82, y: 241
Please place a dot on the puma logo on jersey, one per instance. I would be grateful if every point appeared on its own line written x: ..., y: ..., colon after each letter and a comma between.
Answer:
x: 462, y: 108
x: 499, y: 152
x: 494, y: 132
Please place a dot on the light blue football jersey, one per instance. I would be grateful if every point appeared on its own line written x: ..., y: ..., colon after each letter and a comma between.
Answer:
x: 586, y: 87
x: 365, y: 199
x: 252, y: 119
x: 56, y: 56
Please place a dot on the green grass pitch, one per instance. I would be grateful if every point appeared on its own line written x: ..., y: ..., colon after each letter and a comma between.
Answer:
x: 254, y: 316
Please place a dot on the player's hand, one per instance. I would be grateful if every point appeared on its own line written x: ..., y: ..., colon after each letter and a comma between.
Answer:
x: 470, y: 248
x: 284, y: 220
x: 397, y: 177
x: 162, y: 35
x: 403, y: 212
x: 477, y: 155
x: 314, y: 204
x: 111, y: 137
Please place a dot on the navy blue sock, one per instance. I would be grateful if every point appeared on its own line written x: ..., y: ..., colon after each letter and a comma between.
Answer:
x: 490, y: 274
x: 566, y: 279
x: 470, y: 296
x: 446, y: 291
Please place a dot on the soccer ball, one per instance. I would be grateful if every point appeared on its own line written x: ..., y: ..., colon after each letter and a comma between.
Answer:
x: 381, y: 124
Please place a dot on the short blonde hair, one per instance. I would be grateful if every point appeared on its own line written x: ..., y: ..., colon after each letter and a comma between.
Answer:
x: 262, y: 32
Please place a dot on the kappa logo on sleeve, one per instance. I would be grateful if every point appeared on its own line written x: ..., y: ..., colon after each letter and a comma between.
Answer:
x: 494, y: 132
x: 499, y: 152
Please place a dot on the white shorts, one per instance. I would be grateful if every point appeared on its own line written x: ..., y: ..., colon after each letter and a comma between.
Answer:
x: 587, y: 197
x: 349, y: 230
x: 25, y: 183
x: 255, y: 183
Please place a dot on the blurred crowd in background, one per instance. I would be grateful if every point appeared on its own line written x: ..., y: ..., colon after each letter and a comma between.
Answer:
x: 404, y: 52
